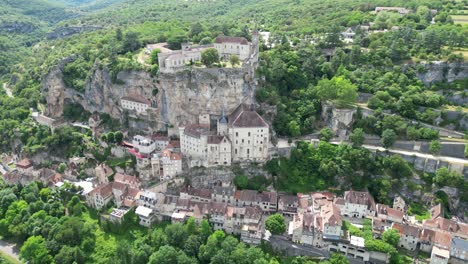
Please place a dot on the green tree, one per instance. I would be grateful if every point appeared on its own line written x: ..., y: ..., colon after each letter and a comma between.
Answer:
x: 275, y: 224
x: 165, y: 255
x: 209, y: 57
x: 62, y: 167
x: 191, y: 246
x: 234, y: 60
x: 241, y: 181
x: 339, y: 90
x: 326, y: 134
x: 391, y: 236
x: 175, y: 41
x: 337, y: 258
x: 118, y: 137
x: 69, y: 254
x: 444, y: 177
x: 118, y: 34
x: 131, y: 42
x: 176, y: 235
x: 34, y: 251
x: 205, y: 41
x: 435, y: 147
x: 397, y: 166
x: 357, y: 137
x: 388, y: 138
x: 205, y: 230
x: 154, y: 56
x: 110, y: 137
x: 191, y: 226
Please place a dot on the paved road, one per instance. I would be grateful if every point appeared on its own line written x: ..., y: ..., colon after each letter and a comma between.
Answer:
x: 9, y: 249
x: 293, y: 249
x: 419, y: 154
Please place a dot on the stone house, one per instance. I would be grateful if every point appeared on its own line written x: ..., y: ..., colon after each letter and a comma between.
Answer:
x: 237, y: 218
x: 146, y: 215
x: 129, y: 180
x: 409, y: 235
x: 358, y: 204
x: 426, y: 240
x: 24, y: 166
x: 388, y: 214
x: 161, y: 142
x: 173, y: 60
x: 196, y: 195
x: 166, y: 164
x: 103, y: 172
x: 135, y: 102
x: 100, y: 196
x: 456, y: 228
x: 288, y: 204
x: 223, y: 194
x: 266, y: 201
x: 227, y: 46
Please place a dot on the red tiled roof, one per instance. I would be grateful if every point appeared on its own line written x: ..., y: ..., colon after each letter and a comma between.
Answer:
x: 443, y: 239
x: 364, y: 198
x: 195, y: 130
x: 447, y: 225
x: 24, y: 163
x: 406, y: 229
x: 225, y: 39
x: 124, y: 178
x: 136, y: 98
x: 215, y: 139
x: 104, y: 190
x: 244, y: 116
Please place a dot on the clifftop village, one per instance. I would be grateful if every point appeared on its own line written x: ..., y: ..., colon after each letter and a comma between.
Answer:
x: 238, y: 136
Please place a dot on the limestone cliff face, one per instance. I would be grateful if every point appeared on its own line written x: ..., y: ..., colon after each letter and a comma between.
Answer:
x: 187, y: 94
x: 101, y: 95
x: 442, y: 71
x: 340, y: 120
x: 54, y: 88
x: 181, y: 96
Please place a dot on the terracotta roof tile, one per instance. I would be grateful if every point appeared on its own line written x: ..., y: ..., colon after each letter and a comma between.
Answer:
x: 136, y: 98
x: 24, y: 163
x: 225, y: 39
x: 406, y: 229
x: 244, y: 116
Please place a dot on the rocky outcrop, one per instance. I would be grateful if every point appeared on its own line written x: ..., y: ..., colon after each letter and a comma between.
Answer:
x: 340, y: 120
x: 63, y: 32
x: 17, y: 27
x: 187, y: 94
x: 441, y: 71
x: 179, y: 97
x: 54, y: 88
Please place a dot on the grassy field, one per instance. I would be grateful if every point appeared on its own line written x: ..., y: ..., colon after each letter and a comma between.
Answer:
x: 460, y: 19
